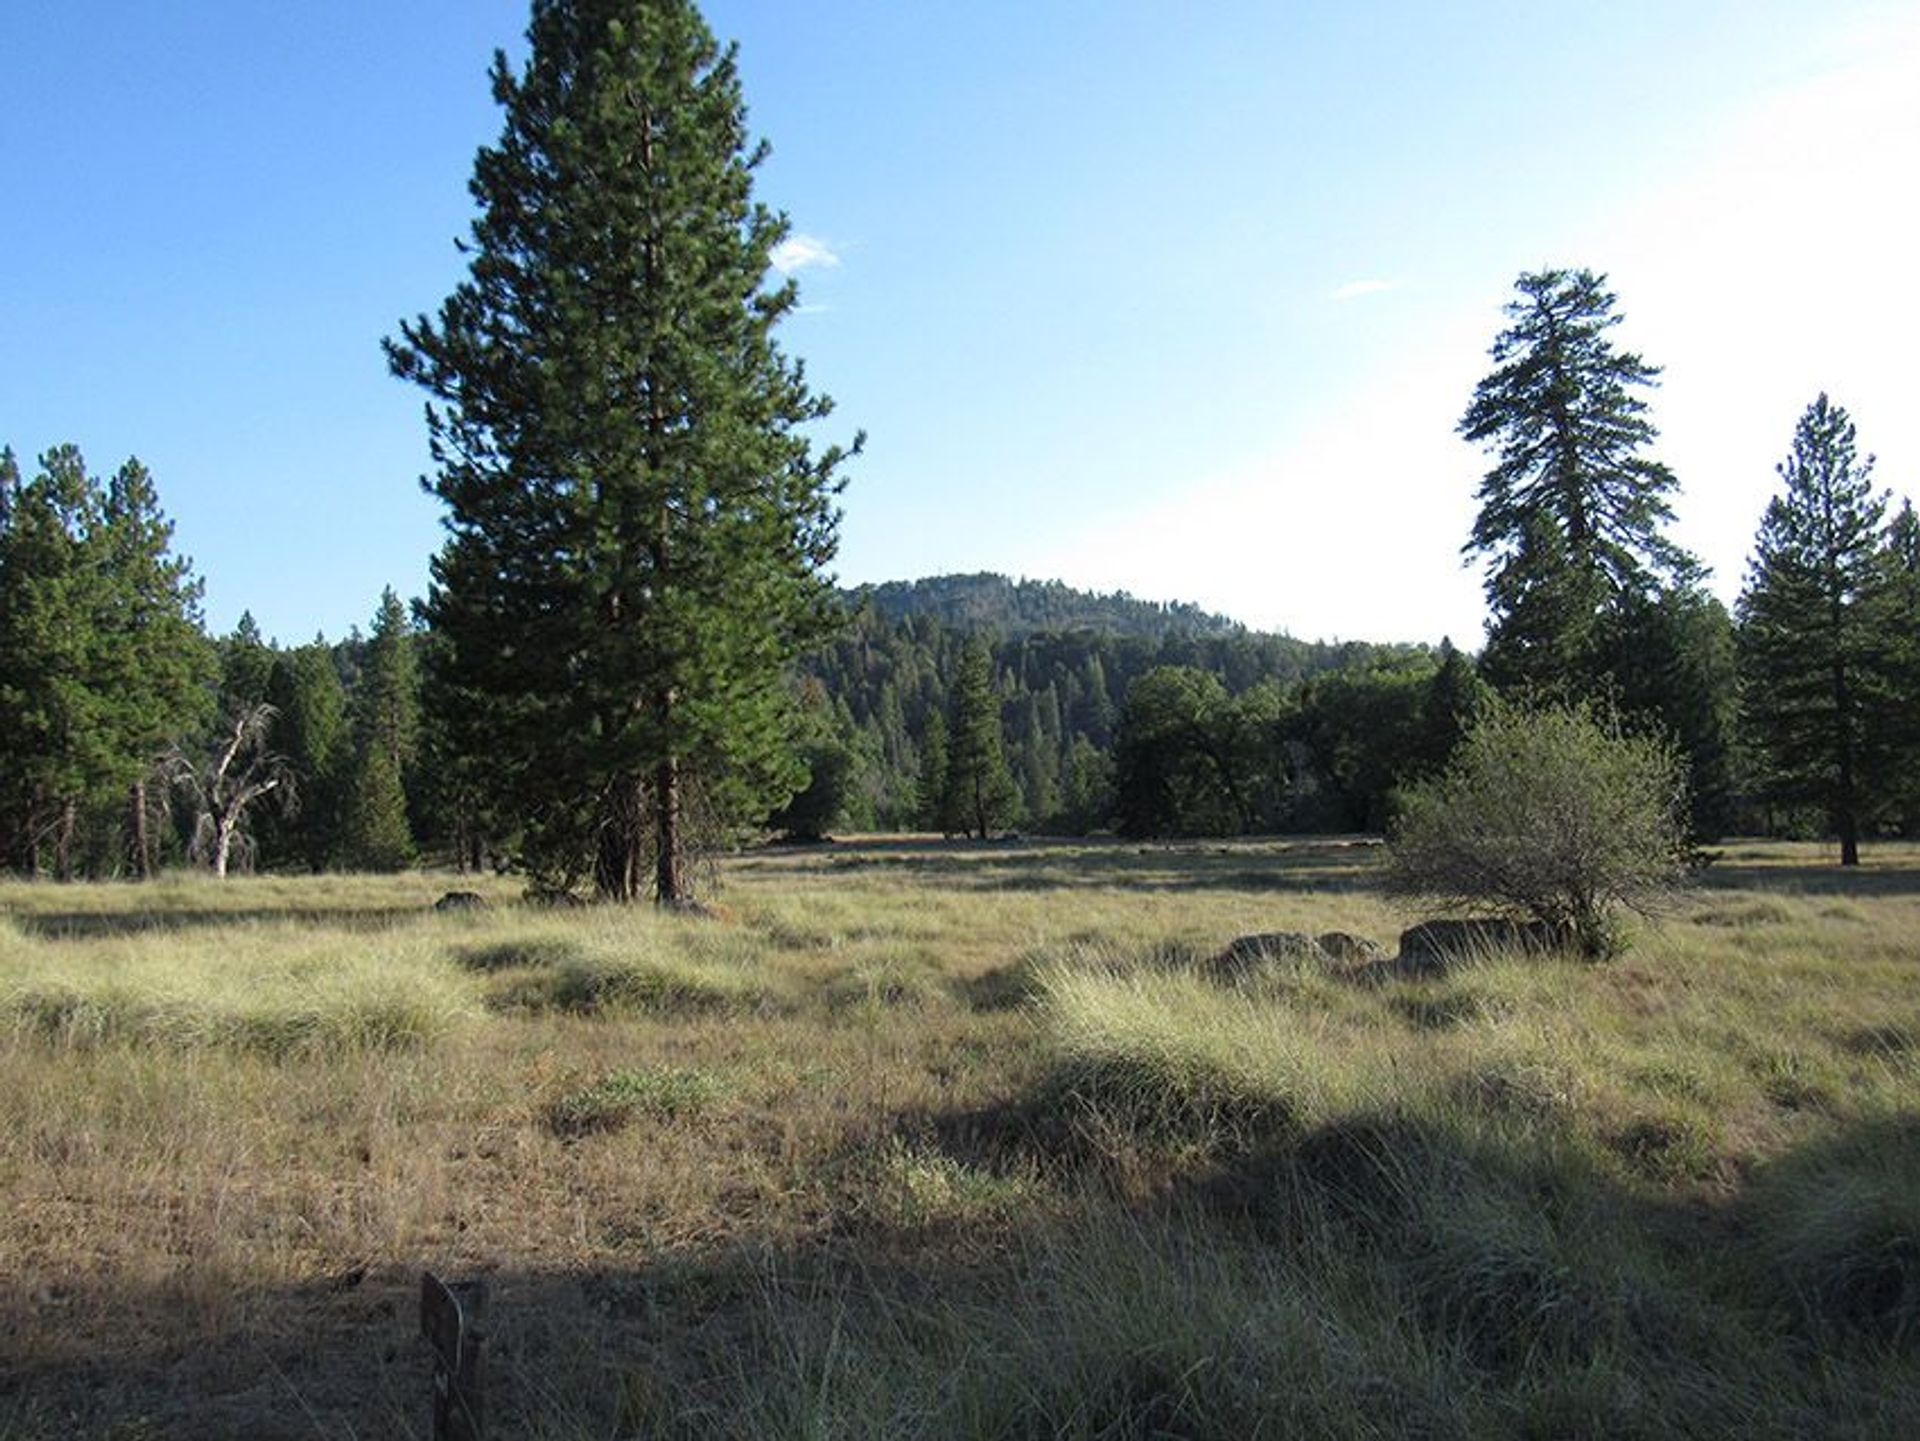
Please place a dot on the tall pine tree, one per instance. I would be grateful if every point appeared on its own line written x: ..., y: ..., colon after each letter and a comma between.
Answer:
x: 1814, y: 648
x: 1590, y: 600
x: 638, y: 523
x: 979, y: 794
x: 378, y: 836
x: 152, y: 659
x: 1571, y: 512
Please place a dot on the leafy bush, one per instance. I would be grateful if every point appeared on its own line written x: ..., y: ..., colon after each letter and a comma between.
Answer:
x: 1549, y: 814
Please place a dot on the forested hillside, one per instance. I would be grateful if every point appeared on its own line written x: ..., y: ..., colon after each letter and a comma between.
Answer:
x: 1061, y: 696
x: 1017, y: 607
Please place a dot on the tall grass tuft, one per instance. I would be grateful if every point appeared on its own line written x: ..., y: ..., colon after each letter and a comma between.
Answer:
x: 1836, y: 1232
x: 271, y: 988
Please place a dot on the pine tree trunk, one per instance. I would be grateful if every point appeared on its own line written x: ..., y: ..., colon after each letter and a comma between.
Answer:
x: 1848, y: 821
x: 141, y: 844
x: 63, y: 846
x: 669, y: 881
x: 618, y: 864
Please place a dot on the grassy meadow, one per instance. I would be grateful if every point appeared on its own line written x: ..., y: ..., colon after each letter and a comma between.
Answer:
x: 927, y: 1142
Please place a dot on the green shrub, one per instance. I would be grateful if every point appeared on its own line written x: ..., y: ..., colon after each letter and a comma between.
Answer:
x: 1549, y: 814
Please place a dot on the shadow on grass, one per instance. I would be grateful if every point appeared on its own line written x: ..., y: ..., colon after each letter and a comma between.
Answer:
x: 1297, y: 866
x: 1869, y: 879
x: 1537, y: 1300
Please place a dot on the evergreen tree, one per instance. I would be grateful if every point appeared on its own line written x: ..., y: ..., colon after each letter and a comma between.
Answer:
x: 152, y: 660
x: 313, y: 732
x: 930, y: 810
x: 637, y: 520
x: 50, y: 717
x: 979, y: 792
x: 246, y: 665
x: 1571, y: 512
x: 1814, y: 659
x: 377, y: 835
x: 1671, y: 659
x: 1454, y: 700
x: 1039, y: 771
x: 102, y: 661
x: 1901, y: 562
x: 1088, y: 787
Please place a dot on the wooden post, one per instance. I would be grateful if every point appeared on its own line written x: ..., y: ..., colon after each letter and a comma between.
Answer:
x: 450, y: 1318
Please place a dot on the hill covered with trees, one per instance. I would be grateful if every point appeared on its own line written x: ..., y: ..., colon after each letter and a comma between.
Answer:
x: 885, y: 698
x: 1019, y: 607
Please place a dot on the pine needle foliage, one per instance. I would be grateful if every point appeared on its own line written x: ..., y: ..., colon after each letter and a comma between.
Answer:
x: 1563, y: 415
x: 1571, y: 513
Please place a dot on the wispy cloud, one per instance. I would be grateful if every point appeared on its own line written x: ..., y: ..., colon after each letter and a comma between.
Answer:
x: 803, y: 252
x: 1354, y: 289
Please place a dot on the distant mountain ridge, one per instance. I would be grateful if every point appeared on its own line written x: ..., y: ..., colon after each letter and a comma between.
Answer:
x: 1025, y: 607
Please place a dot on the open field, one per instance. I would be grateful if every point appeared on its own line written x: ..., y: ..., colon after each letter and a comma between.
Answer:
x: 937, y: 1142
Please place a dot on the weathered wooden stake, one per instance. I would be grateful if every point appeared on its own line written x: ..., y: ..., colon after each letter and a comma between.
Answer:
x: 450, y: 1319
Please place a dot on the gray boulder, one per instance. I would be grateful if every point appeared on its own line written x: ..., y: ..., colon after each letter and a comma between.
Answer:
x: 1435, y: 945
x: 1249, y: 953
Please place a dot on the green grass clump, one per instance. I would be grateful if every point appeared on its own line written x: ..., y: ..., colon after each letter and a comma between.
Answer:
x: 1169, y: 1057
x: 917, y: 1185
x: 520, y: 953
x: 275, y: 990
x: 885, y: 982
x: 590, y: 985
x: 625, y: 1096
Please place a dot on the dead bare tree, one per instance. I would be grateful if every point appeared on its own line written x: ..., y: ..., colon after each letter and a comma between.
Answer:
x: 240, y: 772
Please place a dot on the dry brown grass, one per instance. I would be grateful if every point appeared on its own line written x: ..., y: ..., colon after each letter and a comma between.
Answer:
x: 206, y: 1234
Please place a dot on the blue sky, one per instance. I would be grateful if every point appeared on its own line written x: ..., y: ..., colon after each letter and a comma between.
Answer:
x: 1178, y: 298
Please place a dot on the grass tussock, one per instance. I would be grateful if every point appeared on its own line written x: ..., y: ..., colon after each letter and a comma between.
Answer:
x: 1836, y: 1233
x: 626, y: 1096
x: 274, y: 989
x: 615, y: 986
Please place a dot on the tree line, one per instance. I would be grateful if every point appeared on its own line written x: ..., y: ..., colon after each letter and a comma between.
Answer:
x: 133, y: 739
x: 130, y: 739
x: 629, y: 646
